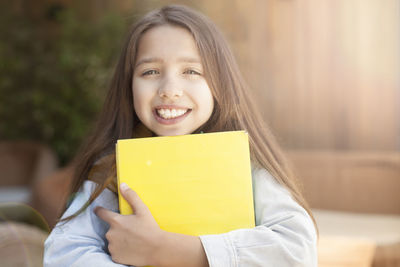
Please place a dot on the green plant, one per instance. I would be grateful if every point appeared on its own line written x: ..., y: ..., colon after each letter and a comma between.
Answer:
x: 53, y: 76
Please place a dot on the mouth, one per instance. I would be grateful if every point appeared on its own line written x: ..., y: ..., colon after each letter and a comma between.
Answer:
x: 170, y: 115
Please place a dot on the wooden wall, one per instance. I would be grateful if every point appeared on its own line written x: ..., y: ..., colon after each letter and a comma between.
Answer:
x: 326, y: 76
x: 327, y: 72
x: 343, y: 59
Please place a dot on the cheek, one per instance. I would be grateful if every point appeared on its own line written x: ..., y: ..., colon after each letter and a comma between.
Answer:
x: 139, y: 97
x: 206, y: 99
x: 136, y: 105
x: 211, y: 100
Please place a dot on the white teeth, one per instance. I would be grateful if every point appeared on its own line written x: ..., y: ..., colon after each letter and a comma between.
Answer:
x: 170, y: 113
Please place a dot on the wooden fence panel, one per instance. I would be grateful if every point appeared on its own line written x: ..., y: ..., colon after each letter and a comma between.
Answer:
x: 334, y: 67
x: 326, y: 73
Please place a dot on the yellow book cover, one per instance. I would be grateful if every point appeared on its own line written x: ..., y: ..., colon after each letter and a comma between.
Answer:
x: 193, y: 184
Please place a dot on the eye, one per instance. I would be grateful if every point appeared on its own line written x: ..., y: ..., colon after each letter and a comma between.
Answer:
x: 150, y: 72
x: 191, y: 72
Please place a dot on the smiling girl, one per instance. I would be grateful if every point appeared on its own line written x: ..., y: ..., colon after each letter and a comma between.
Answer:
x: 170, y: 95
x: 176, y: 75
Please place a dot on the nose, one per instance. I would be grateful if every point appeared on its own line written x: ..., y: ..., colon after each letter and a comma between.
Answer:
x: 170, y: 88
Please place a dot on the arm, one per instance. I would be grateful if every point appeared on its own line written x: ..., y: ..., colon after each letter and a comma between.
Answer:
x: 81, y: 241
x: 181, y: 250
x: 284, y: 235
x: 137, y: 239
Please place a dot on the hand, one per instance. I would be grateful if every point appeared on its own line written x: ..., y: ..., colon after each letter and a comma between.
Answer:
x: 132, y: 239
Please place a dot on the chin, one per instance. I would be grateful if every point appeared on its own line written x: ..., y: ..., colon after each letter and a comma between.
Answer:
x: 171, y: 133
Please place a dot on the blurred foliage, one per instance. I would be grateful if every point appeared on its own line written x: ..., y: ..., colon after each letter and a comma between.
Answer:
x: 54, y: 72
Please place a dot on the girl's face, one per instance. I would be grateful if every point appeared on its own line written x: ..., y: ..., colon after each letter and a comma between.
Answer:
x: 171, y: 95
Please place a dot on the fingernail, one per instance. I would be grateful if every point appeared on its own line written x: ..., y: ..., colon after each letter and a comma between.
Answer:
x: 123, y: 186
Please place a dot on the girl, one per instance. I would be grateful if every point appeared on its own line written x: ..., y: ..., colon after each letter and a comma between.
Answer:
x: 176, y: 75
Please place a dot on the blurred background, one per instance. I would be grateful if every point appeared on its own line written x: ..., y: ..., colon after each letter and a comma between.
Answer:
x: 326, y: 77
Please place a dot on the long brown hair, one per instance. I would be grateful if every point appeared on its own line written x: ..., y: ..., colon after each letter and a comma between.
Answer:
x: 234, y: 108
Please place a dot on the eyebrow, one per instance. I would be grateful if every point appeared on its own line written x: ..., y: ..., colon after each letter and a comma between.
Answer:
x: 159, y: 60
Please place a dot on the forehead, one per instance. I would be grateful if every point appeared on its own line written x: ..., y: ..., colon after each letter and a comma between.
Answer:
x: 167, y: 41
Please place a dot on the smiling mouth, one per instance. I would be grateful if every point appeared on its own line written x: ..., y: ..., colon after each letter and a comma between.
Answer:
x: 169, y: 114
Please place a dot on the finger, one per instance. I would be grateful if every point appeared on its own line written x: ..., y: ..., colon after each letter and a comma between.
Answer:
x: 133, y: 199
x: 105, y: 214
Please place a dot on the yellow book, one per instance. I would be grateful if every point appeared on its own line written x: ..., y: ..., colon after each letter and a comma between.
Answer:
x: 193, y: 184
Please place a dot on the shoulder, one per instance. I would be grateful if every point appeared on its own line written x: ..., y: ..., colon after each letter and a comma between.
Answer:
x: 272, y: 200
x: 269, y: 192
x: 85, y: 223
x: 81, y: 240
x: 106, y: 198
x: 102, y: 170
x: 265, y: 183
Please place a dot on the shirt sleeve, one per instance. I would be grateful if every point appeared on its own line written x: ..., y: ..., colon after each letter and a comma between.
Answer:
x: 81, y: 241
x: 284, y: 234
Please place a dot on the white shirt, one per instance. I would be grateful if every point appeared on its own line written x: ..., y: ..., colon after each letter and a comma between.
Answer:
x: 284, y: 234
